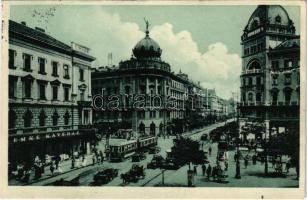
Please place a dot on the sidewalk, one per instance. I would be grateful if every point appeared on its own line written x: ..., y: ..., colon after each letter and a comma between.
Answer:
x: 252, y: 176
x: 65, y: 166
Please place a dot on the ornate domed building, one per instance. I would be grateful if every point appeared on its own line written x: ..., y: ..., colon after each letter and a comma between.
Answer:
x: 144, y: 76
x: 270, y: 70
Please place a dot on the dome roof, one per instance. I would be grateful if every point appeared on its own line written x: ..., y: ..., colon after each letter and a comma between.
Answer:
x: 147, y: 48
x: 269, y: 14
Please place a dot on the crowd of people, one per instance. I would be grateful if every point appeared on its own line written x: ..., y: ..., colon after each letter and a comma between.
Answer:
x: 24, y: 171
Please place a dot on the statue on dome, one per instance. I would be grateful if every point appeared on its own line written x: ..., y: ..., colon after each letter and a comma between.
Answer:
x: 147, y: 23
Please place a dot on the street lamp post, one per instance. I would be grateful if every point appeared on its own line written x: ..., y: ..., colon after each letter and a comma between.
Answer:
x: 238, y: 173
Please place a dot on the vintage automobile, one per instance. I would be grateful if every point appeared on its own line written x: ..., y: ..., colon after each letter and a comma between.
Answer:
x: 105, y: 176
x: 156, y: 162
x: 134, y: 174
x: 170, y: 164
x: 204, y: 137
x: 154, y: 150
x: 74, y: 181
x: 137, y: 157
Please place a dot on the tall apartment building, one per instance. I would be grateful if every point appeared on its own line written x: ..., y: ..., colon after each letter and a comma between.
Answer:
x: 270, y: 70
x: 49, y: 95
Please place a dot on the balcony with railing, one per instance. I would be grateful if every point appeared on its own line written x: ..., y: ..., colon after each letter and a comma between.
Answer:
x: 252, y: 71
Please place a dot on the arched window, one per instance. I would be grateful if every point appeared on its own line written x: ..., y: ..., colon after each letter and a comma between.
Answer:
x: 27, y: 117
x: 12, y: 119
x: 152, y: 129
x: 42, y: 118
x: 66, y: 118
x: 254, y: 65
x: 255, y: 24
x: 142, y: 128
x: 277, y: 19
x: 55, y: 118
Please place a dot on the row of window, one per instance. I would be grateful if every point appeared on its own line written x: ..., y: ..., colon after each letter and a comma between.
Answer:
x: 248, y: 81
x: 27, y: 89
x: 274, y: 97
x: 28, y: 119
x: 254, y: 49
x: 288, y: 63
x: 27, y: 62
x: 287, y: 79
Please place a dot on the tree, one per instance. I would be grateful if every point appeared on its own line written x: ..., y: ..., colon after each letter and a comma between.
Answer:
x: 186, y: 151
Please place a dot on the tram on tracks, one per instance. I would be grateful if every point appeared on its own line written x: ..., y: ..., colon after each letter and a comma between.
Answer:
x: 120, y: 149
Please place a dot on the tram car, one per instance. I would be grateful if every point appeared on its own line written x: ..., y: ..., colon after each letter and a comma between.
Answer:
x: 121, y: 149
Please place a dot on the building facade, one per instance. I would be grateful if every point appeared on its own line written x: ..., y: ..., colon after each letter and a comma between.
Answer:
x: 270, y: 70
x: 143, y: 94
x: 49, y: 95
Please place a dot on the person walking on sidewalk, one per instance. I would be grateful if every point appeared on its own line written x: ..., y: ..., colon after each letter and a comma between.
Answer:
x: 52, y: 167
x: 210, y: 150
x: 73, y: 162
x: 94, y: 159
x: 245, y: 161
x: 195, y: 169
x: 208, y: 172
x: 203, y: 167
x: 101, y: 156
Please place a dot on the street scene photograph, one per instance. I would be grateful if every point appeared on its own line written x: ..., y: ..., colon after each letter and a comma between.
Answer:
x: 154, y: 95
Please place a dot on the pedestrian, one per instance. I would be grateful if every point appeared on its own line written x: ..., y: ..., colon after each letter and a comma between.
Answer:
x: 254, y: 158
x: 208, y: 171
x: 288, y: 164
x: 73, y: 162
x: 57, y: 161
x: 195, y: 170
x: 274, y: 159
x: 245, y: 161
x: 226, y: 165
x: 27, y: 176
x: 93, y: 159
x: 20, y: 171
x: 52, y: 168
x: 210, y: 150
x: 83, y: 161
x: 203, y: 167
x: 101, y: 155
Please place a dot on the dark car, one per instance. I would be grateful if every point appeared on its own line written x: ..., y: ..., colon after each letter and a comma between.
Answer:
x: 137, y: 157
x: 156, y: 162
x: 68, y: 182
x: 170, y: 164
x: 105, y: 176
x: 154, y: 150
x: 204, y: 137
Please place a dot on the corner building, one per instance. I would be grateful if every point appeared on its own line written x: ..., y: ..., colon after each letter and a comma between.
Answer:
x: 145, y: 73
x: 270, y: 86
x: 49, y: 95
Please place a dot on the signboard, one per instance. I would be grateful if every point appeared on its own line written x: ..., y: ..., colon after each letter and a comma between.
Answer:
x: 28, y: 138
x: 255, y: 32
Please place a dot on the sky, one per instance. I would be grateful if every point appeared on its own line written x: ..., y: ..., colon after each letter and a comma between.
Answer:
x: 202, y: 41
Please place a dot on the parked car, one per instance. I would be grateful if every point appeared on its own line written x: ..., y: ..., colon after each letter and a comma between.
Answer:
x: 68, y: 182
x: 156, y: 162
x: 154, y: 150
x: 105, y: 176
x: 170, y: 164
x: 137, y: 157
x: 134, y: 174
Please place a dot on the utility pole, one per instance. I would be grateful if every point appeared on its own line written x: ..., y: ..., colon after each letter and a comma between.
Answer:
x: 235, y: 98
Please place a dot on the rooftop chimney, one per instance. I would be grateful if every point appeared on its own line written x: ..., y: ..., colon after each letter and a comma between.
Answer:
x: 40, y: 29
x: 24, y: 23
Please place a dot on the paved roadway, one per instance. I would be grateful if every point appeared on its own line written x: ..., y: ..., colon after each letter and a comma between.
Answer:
x: 87, y: 173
